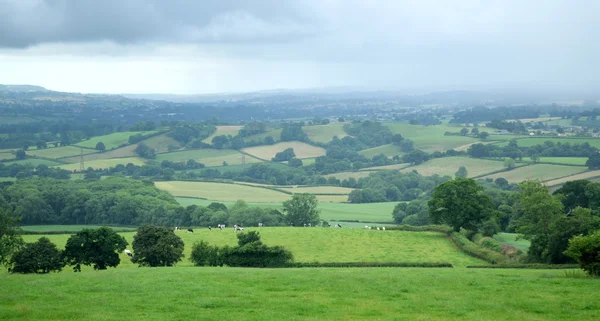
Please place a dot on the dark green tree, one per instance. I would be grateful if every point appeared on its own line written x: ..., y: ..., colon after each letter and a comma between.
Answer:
x: 461, y: 173
x: 10, y: 238
x: 586, y: 251
x: 483, y: 135
x: 460, y: 203
x: 464, y: 132
x: 156, y: 246
x: 220, y: 141
x: 98, y: 247
x: 20, y: 154
x: 39, y: 257
x: 100, y: 146
x: 301, y: 209
x: 593, y: 161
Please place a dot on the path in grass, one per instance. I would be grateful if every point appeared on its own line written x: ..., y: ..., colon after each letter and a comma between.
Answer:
x: 302, y: 150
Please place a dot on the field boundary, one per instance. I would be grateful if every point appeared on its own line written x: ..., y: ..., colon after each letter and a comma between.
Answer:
x: 366, y: 265
x: 526, y: 266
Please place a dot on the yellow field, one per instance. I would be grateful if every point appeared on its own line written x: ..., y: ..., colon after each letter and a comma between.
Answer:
x: 386, y: 167
x: 302, y: 150
x: 585, y: 175
x: 127, y: 151
x: 104, y: 163
x: 543, y: 172
x: 223, y: 130
x: 318, y: 190
x: 346, y: 175
x: 449, y: 166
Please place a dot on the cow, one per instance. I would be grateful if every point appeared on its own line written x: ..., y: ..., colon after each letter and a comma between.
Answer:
x: 260, y: 224
x: 210, y: 228
x: 383, y: 228
x: 190, y: 230
x: 128, y: 252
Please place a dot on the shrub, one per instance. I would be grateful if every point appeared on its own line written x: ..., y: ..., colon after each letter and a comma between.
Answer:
x: 156, y: 246
x: 256, y: 254
x: 476, y: 251
x: 39, y: 257
x: 204, y: 254
x: 586, y: 250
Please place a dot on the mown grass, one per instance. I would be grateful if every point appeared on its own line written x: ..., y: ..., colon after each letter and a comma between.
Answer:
x: 104, y: 163
x: 511, y: 239
x: 223, y: 130
x: 113, y: 140
x: 208, y: 157
x: 543, y: 172
x: 449, y: 166
x: 190, y: 293
x: 325, y: 133
x: 302, y: 150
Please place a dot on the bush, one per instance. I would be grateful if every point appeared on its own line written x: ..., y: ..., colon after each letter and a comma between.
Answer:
x: 425, y: 228
x: 256, y: 254
x: 204, y: 254
x: 39, y: 257
x: 156, y: 246
x: 586, y: 250
x: 476, y: 251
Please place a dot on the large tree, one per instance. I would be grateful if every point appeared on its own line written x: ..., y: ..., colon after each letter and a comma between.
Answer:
x: 302, y: 209
x: 100, y: 146
x: 594, y: 161
x: 10, y: 240
x: 98, y: 247
x: 39, y: 257
x: 460, y: 203
x: 157, y: 246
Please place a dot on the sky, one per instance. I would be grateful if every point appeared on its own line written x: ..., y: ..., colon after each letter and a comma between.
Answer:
x: 210, y: 46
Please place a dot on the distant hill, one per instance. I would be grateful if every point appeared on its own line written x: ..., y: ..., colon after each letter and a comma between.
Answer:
x: 22, y: 88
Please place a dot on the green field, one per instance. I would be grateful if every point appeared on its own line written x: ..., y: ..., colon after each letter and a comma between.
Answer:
x: 208, y: 157
x: 275, y: 133
x: 161, y: 143
x: 431, y: 138
x: 317, y: 189
x: 528, y: 142
x: 449, y: 166
x: 386, y: 167
x: 388, y: 150
x: 32, y: 161
x: 7, y: 179
x: 543, y: 172
x: 104, y: 163
x: 346, y: 175
x: 6, y: 156
x: 302, y: 150
x: 223, y: 130
x: 59, y: 152
x: 13, y: 120
x: 113, y: 140
x: 66, y: 228
x: 325, y: 133
x: 586, y: 175
x: 127, y: 151
x: 222, y: 191
x: 561, y: 160
x: 511, y: 239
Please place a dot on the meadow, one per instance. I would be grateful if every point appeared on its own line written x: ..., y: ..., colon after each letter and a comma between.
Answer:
x: 561, y: 160
x: 346, y: 175
x: 4, y: 156
x: 316, y: 189
x: 325, y: 133
x: 59, y: 152
x: 161, y: 143
x: 67, y: 228
x: 385, y: 167
x: 528, y: 142
x: 431, y: 138
x: 104, y: 163
x: 222, y: 191
x: 208, y: 157
x: 543, y: 172
x: 512, y: 239
x: 274, y: 133
x: 585, y: 175
x: 388, y: 150
x: 449, y: 166
x: 223, y: 130
x: 127, y: 151
x: 32, y: 161
x: 302, y: 150
x: 113, y: 140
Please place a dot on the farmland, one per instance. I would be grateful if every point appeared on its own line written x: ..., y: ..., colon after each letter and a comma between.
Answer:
x: 161, y: 143
x: 449, y: 166
x: 511, y: 239
x: 32, y: 161
x: 528, y: 142
x: 302, y: 150
x: 104, y: 163
x: 127, y: 151
x: 543, y: 172
x: 113, y: 140
x: 222, y: 191
x: 585, y: 175
x: 317, y: 190
x: 346, y: 175
x: 561, y: 160
x: 59, y: 152
x: 208, y: 157
x: 6, y: 156
x: 388, y: 150
x: 275, y: 133
x: 385, y: 167
x: 325, y: 133
x: 223, y: 130
x: 431, y: 138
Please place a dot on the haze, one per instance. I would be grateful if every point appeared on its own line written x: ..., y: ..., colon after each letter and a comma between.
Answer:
x: 178, y: 46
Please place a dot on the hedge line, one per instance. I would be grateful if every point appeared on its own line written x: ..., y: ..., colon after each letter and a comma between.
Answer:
x: 366, y: 264
x: 477, y: 251
x: 426, y: 228
x: 526, y: 266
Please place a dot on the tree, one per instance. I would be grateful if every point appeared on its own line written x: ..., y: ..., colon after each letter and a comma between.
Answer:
x: 594, y: 161
x: 397, y: 139
x: 573, y: 194
x: 20, y: 154
x: 295, y: 162
x: 285, y: 155
x: 501, y: 182
x: 10, y: 240
x: 483, y: 135
x: 415, y: 157
x: 535, y: 158
x: 464, y: 132
x: 38, y: 257
x: 98, y: 247
x: 509, y: 163
x: 475, y: 131
x: 460, y: 203
x: 269, y: 140
x: 579, y: 222
x: 461, y: 173
x: 100, y: 146
x: 156, y: 246
x: 586, y: 251
x: 219, y: 141
x: 301, y: 209
x: 204, y: 254
x: 145, y: 151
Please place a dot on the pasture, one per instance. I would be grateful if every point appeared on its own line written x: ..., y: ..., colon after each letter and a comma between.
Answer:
x: 388, y: 150
x: 511, y: 239
x: 346, y: 175
x: 208, y: 157
x: 585, y: 175
x: 113, y: 140
x: 431, y: 138
x: 67, y: 228
x: 561, y: 160
x: 275, y: 133
x: 104, y: 163
x: 317, y: 189
x: 59, y: 152
x: 449, y: 165
x: 223, y: 130
x: 161, y: 143
x: 4, y: 156
x: 302, y: 150
x: 528, y: 142
x: 222, y: 191
x: 32, y: 162
x: 127, y: 151
x: 385, y: 167
x: 543, y: 172
x: 325, y: 133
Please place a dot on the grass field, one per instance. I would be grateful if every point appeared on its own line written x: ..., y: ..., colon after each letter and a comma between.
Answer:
x: 6, y: 156
x: 208, y: 157
x: 346, y: 175
x: 104, y: 163
x: 386, y: 167
x: 111, y: 140
x: 431, y: 138
x: 543, y: 172
x: 127, y: 151
x: 223, y: 130
x: 302, y: 150
x: 325, y: 133
x: 189, y: 293
x: 66, y: 228
x: 161, y: 143
x: 388, y: 150
x: 449, y: 166
x: 511, y: 238
x: 7, y: 179
x: 275, y: 133
x: 586, y: 175
x: 561, y: 160
x: 32, y: 161
x: 317, y: 190
x: 528, y: 142
x: 222, y: 191
x: 59, y: 152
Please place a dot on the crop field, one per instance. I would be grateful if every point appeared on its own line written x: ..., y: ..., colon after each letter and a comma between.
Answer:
x: 111, y: 141
x: 346, y: 175
x: 449, y: 166
x: 104, y: 163
x: 543, y: 172
x: 528, y: 142
x: 222, y: 191
x: 223, y: 130
x: 6, y: 156
x: 59, y: 152
x: 317, y: 190
x: 275, y: 133
x: 161, y: 143
x: 32, y: 161
x: 388, y: 150
x: 511, y: 239
x: 325, y: 133
x: 584, y: 175
x: 302, y: 150
x: 208, y: 157
x: 385, y: 167
x: 127, y: 151
x: 561, y: 160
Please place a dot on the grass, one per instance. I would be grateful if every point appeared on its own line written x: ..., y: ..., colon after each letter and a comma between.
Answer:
x: 388, y: 150
x: 585, y: 175
x: 385, y: 167
x: 449, y: 166
x: 222, y: 191
x: 302, y: 150
x: 561, y: 160
x: 13, y: 120
x: 511, y: 239
x: 275, y: 133
x: 317, y: 190
x: 127, y: 151
x: 223, y: 130
x: 325, y: 133
x: 7, y: 179
x: 431, y: 138
x: 65, y: 228
x: 161, y: 143
x: 32, y: 161
x: 208, y: 157
x: 543, y: 172
x: 6, y: 156
x: 188, y: 293
x: 111, y: 141
x: 528, y: 142
x: 104, y: 163
x: 59, y: 152
x: 346, y: 175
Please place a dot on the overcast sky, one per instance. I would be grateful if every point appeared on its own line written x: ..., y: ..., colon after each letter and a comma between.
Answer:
x: 206, y: 46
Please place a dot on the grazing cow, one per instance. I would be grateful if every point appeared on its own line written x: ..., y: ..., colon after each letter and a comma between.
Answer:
x: 190, y: 230
x: 260, y: 224
x: 177, y: 228
x: 210, y: 228
x: 383, y: 228
x: 378, y: 228
x: 128, y: 252
x: 338, y: 225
